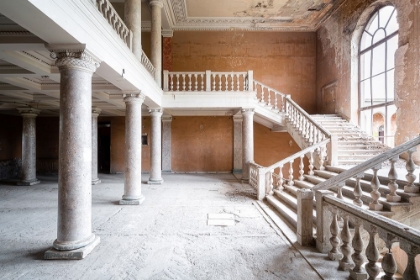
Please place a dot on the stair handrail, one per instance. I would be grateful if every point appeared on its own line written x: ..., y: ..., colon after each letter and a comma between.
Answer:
x: 373, y: 163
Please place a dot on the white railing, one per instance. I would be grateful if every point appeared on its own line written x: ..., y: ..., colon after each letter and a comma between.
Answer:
x: 147, y: 64
x: 330, y: 209
x: 207, y: 81
x: 107, y: 10
x: 270, y: 97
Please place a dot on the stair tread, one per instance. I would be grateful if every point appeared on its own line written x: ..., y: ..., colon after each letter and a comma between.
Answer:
x: 284, y: 210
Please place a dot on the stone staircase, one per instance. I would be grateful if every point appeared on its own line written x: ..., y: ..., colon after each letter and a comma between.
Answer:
x: 354, y: 145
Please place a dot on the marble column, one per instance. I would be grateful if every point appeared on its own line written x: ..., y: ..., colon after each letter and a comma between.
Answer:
x: 247, y: 142
x: 155, y: 147
x: 28, y: 147
x: 132, y: 183
x: 156, y: 39
x: 75, y: 238
x: 132, y: 18
x: 95, y: 114
x: 237, y: 144
x: 167, y: 143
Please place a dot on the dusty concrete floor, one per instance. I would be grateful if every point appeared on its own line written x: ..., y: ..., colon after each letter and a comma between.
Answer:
x: 167, y: 237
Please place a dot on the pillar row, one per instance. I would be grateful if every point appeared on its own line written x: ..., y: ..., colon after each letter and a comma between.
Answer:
x: 75, y: 238
x: 247, y: 142
x: 156, y: 39
x: 28, y: 147
x: 132, y: 183
x: 95, y: 114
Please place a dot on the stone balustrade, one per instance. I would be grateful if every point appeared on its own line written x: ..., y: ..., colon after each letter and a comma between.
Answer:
x: 270, y: 97
x: 147, y: 64
x: 207, y: 81
x: 342, y: 244
x: 107, y: 10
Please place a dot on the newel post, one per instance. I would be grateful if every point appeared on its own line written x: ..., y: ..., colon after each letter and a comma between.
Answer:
x: 305, y: 199
x: 250, y: 80
x: 261, y: 188
x: 323, y: 222
x: 333, y: 150
x: 165, y: 80
x: 208, y: 80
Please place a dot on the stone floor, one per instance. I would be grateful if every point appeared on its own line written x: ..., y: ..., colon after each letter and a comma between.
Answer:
x: 167, y: 237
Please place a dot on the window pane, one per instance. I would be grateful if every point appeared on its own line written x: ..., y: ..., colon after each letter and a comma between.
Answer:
x: 379, y: 35
x: 384, y: 15
x: 390, y: 85
x: 365, y: 93
x: 391, y: 49
x: 393, y: 24
x: 378, y: 62
x: 366, y: 41
x: 373, y: 24
x: 378, y: 88
x: 365, y: 65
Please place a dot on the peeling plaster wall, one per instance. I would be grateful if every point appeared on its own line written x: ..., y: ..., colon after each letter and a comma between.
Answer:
x: 334, y: 61
x: 284, y: 61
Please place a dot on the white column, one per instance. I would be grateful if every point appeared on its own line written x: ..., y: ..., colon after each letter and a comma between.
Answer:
x: 28, y: 147
x: 156, y: 39
x: 132, y: 183
x: 167, y: 143
x: 237, y: 144
x: 132, y: 18
x: 95, y: 114
x: 247, y: 142
x: 155, y: 147
x: 75, y: 238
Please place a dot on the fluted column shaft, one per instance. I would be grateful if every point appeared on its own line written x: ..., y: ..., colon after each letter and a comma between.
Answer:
x: 132, y: 18
x: 74, y: 225
x: 132, y: 183
x: 156, y: 39
x: 247, y: 141
x: 156, y: 147
x: 29, y: 147
x: 95, y: 114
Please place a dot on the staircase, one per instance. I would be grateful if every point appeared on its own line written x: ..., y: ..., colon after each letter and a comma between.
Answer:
x: 354, y: 145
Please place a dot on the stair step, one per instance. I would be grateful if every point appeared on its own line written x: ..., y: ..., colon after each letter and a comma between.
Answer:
x: 303, y: 184
x: 350, y: 161
x: 287, y: 199
x: 284, y: 210
x: 358, y: 156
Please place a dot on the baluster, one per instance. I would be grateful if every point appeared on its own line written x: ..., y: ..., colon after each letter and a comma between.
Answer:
x: 410, y: 272
x: 202, y: 82
x: 281, y: 179
x: 389, y: 265
x: 322, y: 154
x: 375, y: 194
x: 311, y: 163
x: 335, y: 253
x: 291, y: 183
x: 358, y: 191
x: 226, y: 82
x: 171, y: 83
x: 184, y: 82
x: 196, y: 82
x: 237, y: 82
x: 189, y: 82
x: 270, y: 184
x: 357, y: 243
x: 345, y: 263
x: 392, y: 185
x: 283, y: 106
x: 214, y: 82
x: 372, y: 254
x: 410, y: 187
x: 340, y: 190
x: 311, y: 139
x: 220, y: 81
x: 177, y: 81
x: 269, y: 98
x: 301, y: 166
x: 276, y: 106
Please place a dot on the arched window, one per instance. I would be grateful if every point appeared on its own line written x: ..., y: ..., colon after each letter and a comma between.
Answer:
x: 376, y: 76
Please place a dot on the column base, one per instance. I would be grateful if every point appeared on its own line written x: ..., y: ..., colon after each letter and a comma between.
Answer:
x: 237, y: 171
x: 132, y: 201
x: 155, y: 182
x: 96, y: 181
x: 78, y: 254
x: 28, y: 183
x: 245, y: 180
x: 358, y: 275
x: 335, y: 256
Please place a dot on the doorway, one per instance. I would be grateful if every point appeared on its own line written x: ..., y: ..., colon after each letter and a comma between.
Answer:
x: 104, y: 147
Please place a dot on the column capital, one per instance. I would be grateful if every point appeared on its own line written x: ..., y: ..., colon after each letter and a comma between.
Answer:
x: 73, y: 56
x: 156, y: 112
x: 29, y: 112
x: 134, y: 97
x: 247, y: 111
x: 96, y: 111
x: 158, y: 3
x: 167, y: 33
x: 237, y: 118
x: 166, y: 118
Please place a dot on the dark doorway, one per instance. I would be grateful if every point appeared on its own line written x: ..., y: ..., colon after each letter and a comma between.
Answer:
x: 104, y: 147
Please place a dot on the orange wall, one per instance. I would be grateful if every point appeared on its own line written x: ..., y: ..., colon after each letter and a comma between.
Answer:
x: 284, y: 61
x: 202, y: 144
